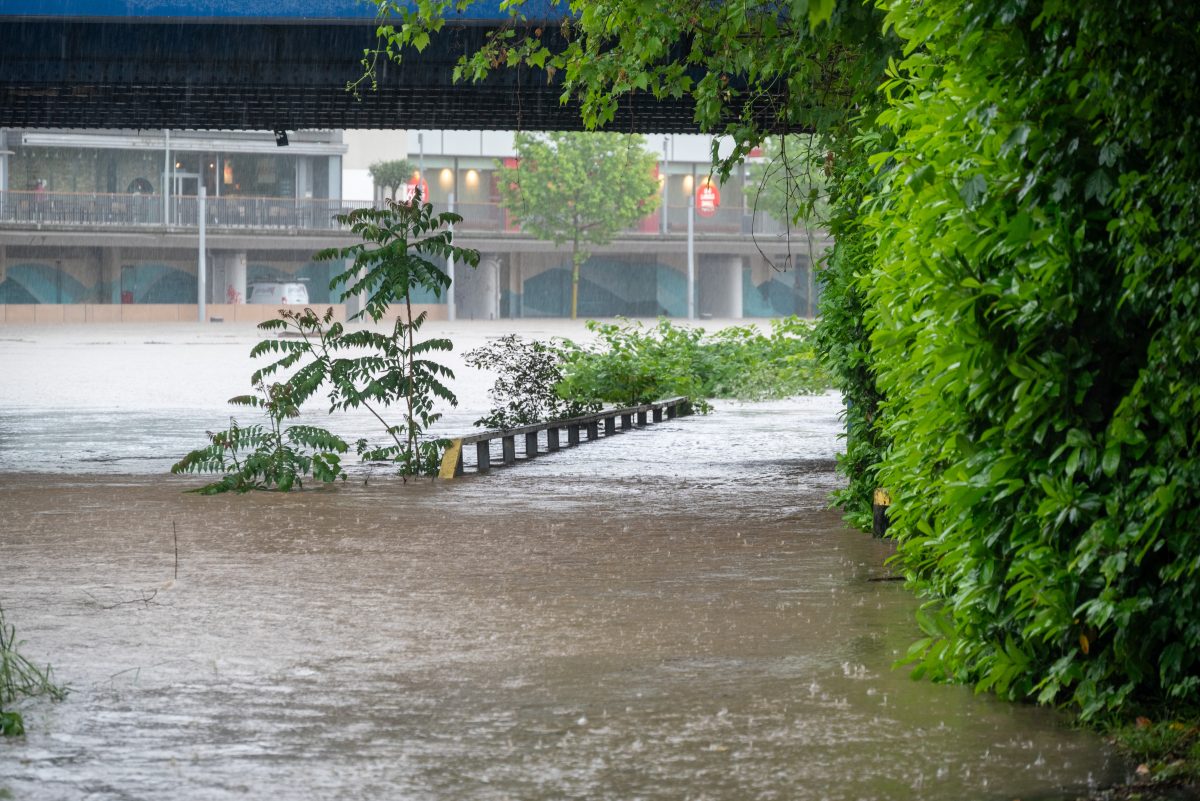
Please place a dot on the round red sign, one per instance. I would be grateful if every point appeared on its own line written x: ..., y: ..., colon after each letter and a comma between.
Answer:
x: 708, y: 199
x: 409, y: 190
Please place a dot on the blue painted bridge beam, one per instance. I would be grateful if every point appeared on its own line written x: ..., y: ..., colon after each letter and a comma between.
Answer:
x: 221, y: 73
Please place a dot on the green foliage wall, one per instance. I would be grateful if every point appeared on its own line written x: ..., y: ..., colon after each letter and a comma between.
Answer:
x: 1034, y: 302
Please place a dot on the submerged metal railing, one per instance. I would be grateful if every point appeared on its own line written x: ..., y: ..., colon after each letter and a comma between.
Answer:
x: 545, y: 438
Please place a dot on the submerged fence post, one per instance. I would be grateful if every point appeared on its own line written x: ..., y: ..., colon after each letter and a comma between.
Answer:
x: 879, y: 509
x: 452, y: 460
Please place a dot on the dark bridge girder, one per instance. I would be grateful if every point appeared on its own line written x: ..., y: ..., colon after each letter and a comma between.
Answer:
x: 204, y: 75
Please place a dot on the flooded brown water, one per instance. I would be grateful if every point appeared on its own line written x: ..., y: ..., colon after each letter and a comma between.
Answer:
x: 669, y: 614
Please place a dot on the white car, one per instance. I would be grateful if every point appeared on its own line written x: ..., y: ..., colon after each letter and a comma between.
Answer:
x: 278, y: 293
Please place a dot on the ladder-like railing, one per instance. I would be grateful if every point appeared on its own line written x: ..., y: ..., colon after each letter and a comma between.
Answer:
x: 544, y: 438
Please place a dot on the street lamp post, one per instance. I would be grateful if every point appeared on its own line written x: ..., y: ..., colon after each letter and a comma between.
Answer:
x: 201, y: 267
x: 666, y: 209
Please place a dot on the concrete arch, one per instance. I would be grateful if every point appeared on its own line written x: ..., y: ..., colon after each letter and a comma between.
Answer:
x: 41, y: 283
x: 608, y: 288
x: 165, y: 284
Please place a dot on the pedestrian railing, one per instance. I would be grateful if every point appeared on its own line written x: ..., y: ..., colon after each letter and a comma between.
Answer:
x: 100, y: 210
x: 528, y: 442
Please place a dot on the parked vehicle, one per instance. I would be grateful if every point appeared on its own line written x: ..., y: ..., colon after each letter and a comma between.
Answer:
x: 278, y: 293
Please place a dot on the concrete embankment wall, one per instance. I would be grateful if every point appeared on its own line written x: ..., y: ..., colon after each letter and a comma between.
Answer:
x: 75, y: 313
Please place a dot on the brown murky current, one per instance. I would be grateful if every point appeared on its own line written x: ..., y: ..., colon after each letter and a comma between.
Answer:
x: 671, y: 613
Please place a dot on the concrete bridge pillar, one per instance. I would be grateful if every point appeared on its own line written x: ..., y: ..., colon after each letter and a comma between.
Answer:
x: 108, y: 287
x: 477, y: 292
x: 719, y: 287
x: 516, y: 286
x: 3, y: 264
x: 234, y: 285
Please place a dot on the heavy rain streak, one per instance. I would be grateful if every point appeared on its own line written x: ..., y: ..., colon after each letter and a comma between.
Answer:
x: 672, y: 613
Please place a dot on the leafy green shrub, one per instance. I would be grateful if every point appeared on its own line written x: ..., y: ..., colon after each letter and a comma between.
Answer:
x: 749, y: 365
x: 266, y: 457
x: 632, y: 364
x: 1034, y: 307
x: 524, y: 392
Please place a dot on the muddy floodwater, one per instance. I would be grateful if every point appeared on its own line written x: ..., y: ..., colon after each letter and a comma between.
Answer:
x: 672, y: 613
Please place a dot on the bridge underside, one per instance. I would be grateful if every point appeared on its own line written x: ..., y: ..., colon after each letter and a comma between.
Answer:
x: 220, y: 76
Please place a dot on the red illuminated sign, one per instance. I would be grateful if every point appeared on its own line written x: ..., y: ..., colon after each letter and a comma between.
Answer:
x: 708, y: 199
x: 409, y: 189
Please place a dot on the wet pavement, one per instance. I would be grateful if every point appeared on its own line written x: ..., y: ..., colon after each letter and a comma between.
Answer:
x: 671, y: 613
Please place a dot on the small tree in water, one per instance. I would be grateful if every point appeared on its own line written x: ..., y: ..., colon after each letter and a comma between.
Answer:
x: 392, y: 260
x: 360, y: 369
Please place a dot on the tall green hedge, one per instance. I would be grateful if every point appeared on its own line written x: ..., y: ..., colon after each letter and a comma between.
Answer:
x: 1031, y: 293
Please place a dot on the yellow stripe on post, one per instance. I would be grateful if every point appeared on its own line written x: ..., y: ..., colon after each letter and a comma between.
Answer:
x: 879, y: 508
x: 450, y: 459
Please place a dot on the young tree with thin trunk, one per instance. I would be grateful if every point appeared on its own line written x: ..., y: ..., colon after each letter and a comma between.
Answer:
x: 580, y: 188
x: 389, y: 176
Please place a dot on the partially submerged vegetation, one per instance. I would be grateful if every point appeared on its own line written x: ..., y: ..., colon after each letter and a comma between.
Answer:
x: 20, y: 678
x: 1167, y: 751
x: 630, y: 363
x: 528, y: 375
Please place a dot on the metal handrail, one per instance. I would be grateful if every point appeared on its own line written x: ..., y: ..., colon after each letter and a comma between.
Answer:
x: 101, y: 210
x: 452, y: 460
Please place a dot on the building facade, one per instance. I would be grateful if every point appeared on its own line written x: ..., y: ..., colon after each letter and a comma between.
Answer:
x: 106, y: 225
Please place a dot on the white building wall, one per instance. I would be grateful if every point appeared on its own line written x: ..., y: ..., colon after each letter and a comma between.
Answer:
x: 366, y: 148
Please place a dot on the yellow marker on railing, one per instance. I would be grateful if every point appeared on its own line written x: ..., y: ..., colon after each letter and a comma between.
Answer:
x: 450, y: 459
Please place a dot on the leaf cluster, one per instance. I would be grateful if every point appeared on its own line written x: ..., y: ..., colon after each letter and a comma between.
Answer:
x: 265, y: 457
x: 1033, y: 310
x: 631, y: 364
x: 749, y: 67
x: 577, y: 187
x: 527, y: 376
x: 400, y: 242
